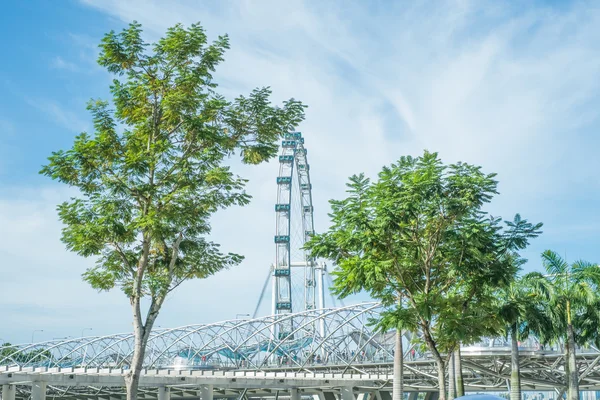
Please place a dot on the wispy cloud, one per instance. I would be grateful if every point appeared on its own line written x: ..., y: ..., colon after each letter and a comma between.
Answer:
x: 59, y: 63
x: 88, y: 51
x: 59, y: 114
x: 511, y: 88
x: 7, y: 132
x: 477, y: 81
x: 7, y: 128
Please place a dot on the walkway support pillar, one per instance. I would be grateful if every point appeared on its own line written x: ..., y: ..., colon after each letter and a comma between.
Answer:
x: 327, y: 396
x: 164, y: 393
x: 294, y: 394
x: 9, y: 392
x: 206, y: 392
x: 38, y: 390
x: 384, y: 395
x: 347, y: 393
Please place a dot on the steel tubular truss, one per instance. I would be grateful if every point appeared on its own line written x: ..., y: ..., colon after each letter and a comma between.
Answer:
x: 226, y: 345
x: 350, y: 348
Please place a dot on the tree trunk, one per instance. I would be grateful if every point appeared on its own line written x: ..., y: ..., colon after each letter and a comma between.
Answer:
x: 132, y: 377
x: 515, y: 369
x: 451, y: 378
x: 572, y: 373
x: 441, y: 367
x: 398, y: 384
x: 141, y: 335
x: 460, y: 385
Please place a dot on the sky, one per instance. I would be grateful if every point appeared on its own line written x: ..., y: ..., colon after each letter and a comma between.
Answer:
x: 512, y: 88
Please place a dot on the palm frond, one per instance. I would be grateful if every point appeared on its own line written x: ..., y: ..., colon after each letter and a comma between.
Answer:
x: 538, y: 285
x: 554, y: 264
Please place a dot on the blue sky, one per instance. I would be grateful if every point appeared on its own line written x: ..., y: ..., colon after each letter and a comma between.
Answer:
x: 512, y: 89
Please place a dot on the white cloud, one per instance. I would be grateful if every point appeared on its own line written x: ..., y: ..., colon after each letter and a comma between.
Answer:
x: 513, y: 90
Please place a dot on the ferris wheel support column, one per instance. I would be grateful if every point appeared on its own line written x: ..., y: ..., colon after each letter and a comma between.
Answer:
x: 321, y: 288
x: 321, y: 285
x: 273, y: 301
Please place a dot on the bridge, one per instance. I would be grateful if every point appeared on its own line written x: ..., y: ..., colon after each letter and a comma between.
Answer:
x: 241, y: 359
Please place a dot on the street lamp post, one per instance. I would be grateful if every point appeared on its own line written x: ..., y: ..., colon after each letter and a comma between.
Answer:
x: 85, y: 329
x: 33, y: 333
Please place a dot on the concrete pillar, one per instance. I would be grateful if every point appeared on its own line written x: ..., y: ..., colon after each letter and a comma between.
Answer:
x: 8, y: 392
x: 432, y: 396
x: 164, y: 393
x: 413, y: 395
x: 38, y: 391
x: 206, y: 392
x: 385, y: 395
x: 328, y: 396
x: 348, y: 393
x: 368, y: 396
x: 294, y: 394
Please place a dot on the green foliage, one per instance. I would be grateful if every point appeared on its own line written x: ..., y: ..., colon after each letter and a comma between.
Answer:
x: 154, y: 170
x: 6, y: 351
x: 419, y: 235
x: 10, y: 355
x: 522, y: 309
x: 569, y: 294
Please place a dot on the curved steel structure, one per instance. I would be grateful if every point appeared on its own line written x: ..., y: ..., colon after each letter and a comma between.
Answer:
x: 234, y: 344
x: 208, y: 353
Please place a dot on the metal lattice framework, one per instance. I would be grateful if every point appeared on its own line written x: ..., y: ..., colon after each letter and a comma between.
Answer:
x: 348, y: 347
x: 225, y: 345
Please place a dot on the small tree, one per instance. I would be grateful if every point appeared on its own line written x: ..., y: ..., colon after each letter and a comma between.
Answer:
x: 569, y: 292
x: 153, y: 172
x: 418, y: 241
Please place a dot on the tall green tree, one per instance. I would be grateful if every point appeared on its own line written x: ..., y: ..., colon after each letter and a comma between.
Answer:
x: 419, y: 234
x: 154, y: 170
x: 569, y: 292
x: 522, y: 312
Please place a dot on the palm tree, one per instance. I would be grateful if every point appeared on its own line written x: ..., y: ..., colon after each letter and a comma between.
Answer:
x: 398, y: 383
x: 456, y: 387
x: 521, y: 312
x: 569, y: 290
x: 401, y: 322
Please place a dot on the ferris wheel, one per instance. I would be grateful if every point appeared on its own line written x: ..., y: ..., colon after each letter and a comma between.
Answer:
x: 297, y: 280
